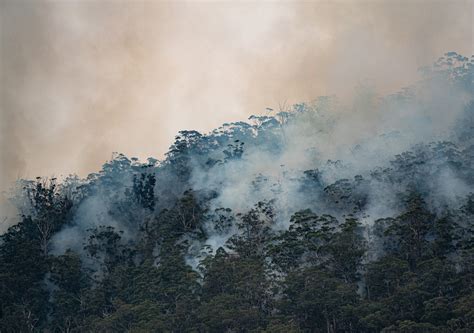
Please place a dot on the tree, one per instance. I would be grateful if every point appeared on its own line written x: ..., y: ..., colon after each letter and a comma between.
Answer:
x: 254, y: 230
x: 318, y: 301
x: 48, y: 209
x: 410, y: 231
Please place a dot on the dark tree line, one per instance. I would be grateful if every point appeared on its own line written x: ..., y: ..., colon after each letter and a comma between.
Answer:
x: 314, y: 277
x: 128, y: 249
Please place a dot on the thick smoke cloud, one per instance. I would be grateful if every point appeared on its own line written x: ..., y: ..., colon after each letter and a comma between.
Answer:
x: 83, y: 79
x: 346, y: 145
x: 80, y: 80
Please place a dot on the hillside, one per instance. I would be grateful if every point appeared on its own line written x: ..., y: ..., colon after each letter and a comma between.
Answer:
x: 323, y: 217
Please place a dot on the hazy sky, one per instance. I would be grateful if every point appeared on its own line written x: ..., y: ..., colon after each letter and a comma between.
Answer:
x: 82, y: 79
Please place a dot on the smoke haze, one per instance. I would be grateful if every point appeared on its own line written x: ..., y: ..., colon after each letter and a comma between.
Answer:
x: 80, y: 80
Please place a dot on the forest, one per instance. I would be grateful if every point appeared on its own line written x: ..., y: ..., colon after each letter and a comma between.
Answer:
x: 319, y: 217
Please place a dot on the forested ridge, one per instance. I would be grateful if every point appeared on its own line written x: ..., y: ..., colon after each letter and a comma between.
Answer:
x: 310, y: 219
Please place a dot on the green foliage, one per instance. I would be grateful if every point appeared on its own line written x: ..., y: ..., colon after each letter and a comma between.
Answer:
x: 164, y: 257
x: 313, y: 277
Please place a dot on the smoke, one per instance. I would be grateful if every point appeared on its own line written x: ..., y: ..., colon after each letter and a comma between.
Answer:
x: 366, y: 155
x: 83, y: 79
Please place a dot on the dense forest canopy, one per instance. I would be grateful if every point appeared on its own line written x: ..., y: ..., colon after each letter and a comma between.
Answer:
x: 321, y: 217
